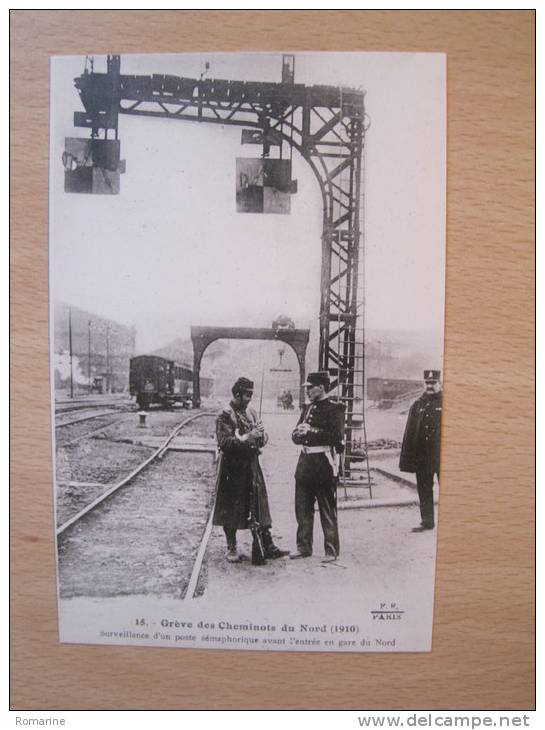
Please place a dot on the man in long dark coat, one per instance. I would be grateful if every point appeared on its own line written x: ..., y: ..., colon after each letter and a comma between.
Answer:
x: 421, y: 443
x: 241, y: 492
x: 320, y: 434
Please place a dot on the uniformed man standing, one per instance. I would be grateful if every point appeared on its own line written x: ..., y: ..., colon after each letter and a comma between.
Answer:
x: 241, y: 492
x: 421, y: 442
x: 320, y: 433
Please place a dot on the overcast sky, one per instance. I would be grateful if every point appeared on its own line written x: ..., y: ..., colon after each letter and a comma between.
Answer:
x: 171, y: 250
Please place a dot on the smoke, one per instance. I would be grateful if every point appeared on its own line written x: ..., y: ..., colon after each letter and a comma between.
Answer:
x: 62, y: 366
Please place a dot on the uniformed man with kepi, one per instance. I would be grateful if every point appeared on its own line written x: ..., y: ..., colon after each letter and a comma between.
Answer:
x: 320, y: 434
x: 241, y: 492
x: 421, y: 442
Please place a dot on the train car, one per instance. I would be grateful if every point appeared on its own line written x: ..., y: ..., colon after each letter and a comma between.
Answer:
x: 156, y: 380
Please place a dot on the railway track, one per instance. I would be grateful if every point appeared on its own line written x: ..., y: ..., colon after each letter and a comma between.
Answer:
x: 170, y: 502
x: 157, y: 454
x: 80, y: 419
x: 79, y: 405
x: 69, y: 433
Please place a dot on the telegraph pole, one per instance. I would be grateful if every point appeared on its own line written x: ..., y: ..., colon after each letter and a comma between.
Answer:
x: 89, y: 354
x: 70, y: 348
x: 107, y: 358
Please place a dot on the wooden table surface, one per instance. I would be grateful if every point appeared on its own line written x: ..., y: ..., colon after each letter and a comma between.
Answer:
x: 483, y: 652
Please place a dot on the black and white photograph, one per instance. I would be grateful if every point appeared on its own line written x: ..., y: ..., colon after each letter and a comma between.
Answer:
x: 247, y: 286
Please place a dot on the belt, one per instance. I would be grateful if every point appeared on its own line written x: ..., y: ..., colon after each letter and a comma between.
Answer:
x: 329, y: 454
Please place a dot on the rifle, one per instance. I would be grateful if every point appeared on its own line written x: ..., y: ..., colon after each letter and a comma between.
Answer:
x: 254, y: 523
x: 258, y: 547
x: 261, y: 393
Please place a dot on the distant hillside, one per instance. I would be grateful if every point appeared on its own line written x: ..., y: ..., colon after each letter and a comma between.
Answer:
x: 179, y: 350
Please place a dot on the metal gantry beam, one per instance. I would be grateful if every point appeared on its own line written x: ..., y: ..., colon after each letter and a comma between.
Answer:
x: 325, y: 124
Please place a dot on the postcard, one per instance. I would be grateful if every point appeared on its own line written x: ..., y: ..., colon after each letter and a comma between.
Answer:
x: 247, y: 267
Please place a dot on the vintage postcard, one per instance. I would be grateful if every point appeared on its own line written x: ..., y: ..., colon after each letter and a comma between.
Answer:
x: 247, y: 265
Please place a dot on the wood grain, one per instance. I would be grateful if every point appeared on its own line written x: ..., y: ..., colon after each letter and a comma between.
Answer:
x: 483, y: 654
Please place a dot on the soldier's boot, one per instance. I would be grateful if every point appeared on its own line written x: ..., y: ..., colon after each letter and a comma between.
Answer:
x: 272, y: 552
x: 232, y: 554
x: 423, y: 527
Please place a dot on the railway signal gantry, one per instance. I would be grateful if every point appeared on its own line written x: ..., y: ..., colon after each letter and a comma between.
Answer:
x: 325, y: 124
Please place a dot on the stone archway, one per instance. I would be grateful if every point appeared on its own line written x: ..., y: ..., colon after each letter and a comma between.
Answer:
x: 201, y: 337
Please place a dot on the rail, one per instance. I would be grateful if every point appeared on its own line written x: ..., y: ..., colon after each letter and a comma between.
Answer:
x: 157, y: 454
x: 85, y: 418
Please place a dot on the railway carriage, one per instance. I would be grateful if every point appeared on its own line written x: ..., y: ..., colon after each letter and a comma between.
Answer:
x: 156, y: 380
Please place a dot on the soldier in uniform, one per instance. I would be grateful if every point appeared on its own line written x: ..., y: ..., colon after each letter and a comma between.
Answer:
x: 241, y: 490
x: 320, y: 434
x: 420, y: 448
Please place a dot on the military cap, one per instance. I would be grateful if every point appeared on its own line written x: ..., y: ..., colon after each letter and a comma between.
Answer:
x: 432, y: 374
x: 242, y: 384
x: 319, y: 378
